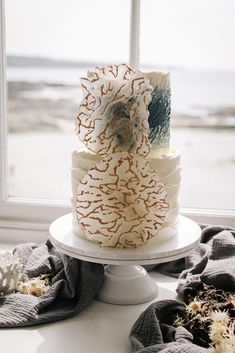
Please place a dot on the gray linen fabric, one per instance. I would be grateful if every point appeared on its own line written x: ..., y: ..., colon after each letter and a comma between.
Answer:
x: 153, y: 331
x: 74, y: 284
x: 213, y: 263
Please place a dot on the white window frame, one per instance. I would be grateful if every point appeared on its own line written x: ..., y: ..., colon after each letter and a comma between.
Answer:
x: 28, y: 219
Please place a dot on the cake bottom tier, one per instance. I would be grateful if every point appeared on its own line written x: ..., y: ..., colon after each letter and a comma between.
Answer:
x: 166, y: 163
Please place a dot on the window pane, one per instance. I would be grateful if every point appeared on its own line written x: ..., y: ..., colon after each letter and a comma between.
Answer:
x: 194, y: 40
x: 50, y: 44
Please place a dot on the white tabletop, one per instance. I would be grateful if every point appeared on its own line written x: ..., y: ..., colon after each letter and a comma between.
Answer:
x: 99, y: 328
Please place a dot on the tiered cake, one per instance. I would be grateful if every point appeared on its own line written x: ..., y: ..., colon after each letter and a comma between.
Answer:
x: 126, y: 178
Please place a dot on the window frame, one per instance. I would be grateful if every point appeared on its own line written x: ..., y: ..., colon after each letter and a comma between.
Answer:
x: 31, y: 216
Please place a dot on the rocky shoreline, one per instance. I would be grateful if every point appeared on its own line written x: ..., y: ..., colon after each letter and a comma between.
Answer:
x: 53, y: 107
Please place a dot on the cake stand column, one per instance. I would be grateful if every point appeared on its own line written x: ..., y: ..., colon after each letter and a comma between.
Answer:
x: 127, y: 284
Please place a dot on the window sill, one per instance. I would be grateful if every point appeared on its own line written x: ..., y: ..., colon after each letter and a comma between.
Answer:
x: 16, y: 231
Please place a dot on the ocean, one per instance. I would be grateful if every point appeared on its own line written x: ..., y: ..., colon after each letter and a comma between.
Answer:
x: 42, y: 106
x: 195, y: 94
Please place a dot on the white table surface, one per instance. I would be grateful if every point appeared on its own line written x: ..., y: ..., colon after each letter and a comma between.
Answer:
x: 99, y: 328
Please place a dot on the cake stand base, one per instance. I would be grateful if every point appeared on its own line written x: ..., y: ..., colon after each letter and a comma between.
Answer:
x: 127, y: 285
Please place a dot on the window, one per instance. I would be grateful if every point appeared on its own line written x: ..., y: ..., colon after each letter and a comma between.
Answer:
x: 49, y: 45
x: 44, y: 65
x: 193, y: 40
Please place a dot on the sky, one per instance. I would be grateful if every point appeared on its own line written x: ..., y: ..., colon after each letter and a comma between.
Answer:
x: 194, y: 34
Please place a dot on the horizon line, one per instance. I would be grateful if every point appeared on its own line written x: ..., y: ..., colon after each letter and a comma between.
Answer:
x: 20, y: 60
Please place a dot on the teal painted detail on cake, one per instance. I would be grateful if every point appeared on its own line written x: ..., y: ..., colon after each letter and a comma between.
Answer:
x: 159, y: 117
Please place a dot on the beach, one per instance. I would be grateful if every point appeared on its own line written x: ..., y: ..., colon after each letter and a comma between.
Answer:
x: 48, y: 98
x: 42, y: 107
x: 39, y: 166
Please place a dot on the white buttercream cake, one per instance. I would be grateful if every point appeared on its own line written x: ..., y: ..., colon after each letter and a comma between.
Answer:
x: 136, y: 176
x: 165, y: 162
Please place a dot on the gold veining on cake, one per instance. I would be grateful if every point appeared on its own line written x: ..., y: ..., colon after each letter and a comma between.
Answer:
x: 113, y: 115
x: 125, y: 190
x: 121, y: 202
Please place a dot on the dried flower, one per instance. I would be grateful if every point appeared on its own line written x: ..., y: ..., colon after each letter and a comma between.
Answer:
x: 209, y: 313
x: 179, y: 321
x: 218, y: 332
x: 221, y: 317
x: 222, y: 333
x: 35, y: 286
x: 232, y: 300
x: 223, y: 348
x: 195, y: 306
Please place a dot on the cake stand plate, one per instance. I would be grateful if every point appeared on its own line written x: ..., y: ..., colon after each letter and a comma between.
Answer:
x: 126, y: 282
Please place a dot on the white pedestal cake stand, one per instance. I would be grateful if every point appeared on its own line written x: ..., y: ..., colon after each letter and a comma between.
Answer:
x: 126, y: 281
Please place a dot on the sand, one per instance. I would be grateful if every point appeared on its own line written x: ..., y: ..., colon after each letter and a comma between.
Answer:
x: 42, y: 106
x: 39, y: 165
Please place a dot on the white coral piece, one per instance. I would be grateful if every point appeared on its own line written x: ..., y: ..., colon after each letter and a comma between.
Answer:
x: 113, y: 115
x: 10, y: 269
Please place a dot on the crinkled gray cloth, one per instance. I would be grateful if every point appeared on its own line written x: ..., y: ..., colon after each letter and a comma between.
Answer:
x: 153, y: 331
x: 213, y: 263
x: 74, y: 284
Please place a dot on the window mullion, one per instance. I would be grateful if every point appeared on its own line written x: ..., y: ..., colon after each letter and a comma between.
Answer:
x: 3, y: 99
x: 134, y: 34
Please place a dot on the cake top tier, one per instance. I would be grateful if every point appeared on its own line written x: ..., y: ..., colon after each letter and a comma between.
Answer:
x: 122, y: 110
